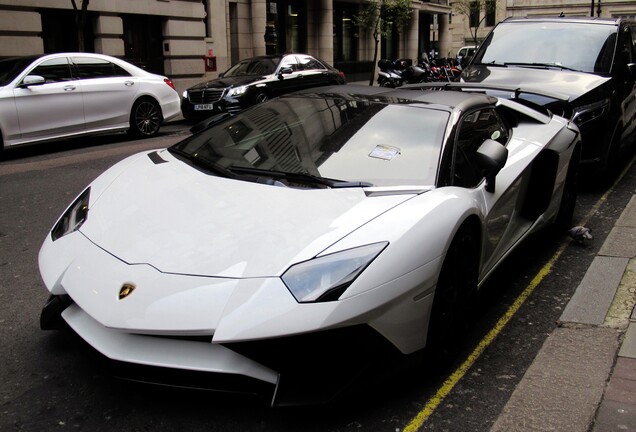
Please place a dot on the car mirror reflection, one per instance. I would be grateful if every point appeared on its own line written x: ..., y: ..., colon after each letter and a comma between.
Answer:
x: 284, y: 71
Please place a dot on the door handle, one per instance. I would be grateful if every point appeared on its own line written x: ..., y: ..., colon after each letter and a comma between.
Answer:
x: 69, y: 88
x: 129, y: 83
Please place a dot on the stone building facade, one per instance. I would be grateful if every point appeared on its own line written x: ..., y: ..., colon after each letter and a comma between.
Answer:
x: 193, y: 40
x: 461, y: 33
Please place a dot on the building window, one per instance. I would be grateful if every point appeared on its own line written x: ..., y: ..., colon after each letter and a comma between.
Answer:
x: 234, y: 34
x: 344, y: 41
x: 206, y: 20
x: 474, y: 14
x: 491, y: 9
x: 59, y: 32
x: 390, y: 44
x: 290, y: 25
x: 143, y: 41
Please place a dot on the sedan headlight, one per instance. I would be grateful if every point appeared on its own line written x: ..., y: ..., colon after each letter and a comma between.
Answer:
x: 237, y: 91
x: 73, y: 218
x: 325, y: 278
x: 184, y: 94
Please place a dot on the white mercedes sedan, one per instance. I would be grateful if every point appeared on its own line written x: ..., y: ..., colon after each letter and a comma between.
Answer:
x: 58, y: 96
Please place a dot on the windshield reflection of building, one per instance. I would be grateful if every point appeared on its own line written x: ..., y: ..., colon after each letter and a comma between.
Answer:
x: 295, y: 135
x: 288, y: 134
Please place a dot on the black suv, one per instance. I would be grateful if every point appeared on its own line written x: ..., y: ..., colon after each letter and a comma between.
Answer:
x: 589, y: 61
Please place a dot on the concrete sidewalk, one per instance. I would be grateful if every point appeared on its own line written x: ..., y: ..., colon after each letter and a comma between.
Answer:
x: 584, y: 377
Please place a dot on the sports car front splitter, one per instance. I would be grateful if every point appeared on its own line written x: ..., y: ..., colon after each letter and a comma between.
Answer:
x: 51, y: 315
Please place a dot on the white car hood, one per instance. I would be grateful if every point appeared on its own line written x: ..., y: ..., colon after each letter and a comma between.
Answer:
x: 181, y: 220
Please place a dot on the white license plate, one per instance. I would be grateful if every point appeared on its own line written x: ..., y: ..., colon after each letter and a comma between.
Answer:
x: 204, y: 107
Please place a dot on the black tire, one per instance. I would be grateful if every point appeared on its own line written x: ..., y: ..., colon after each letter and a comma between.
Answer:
x: 261, y: 97
x: 570, y: 192
x: 455, y: 293
x: 145, y: 118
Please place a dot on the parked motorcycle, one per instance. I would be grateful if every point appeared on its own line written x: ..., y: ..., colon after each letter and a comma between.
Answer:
x: 394, y: 73
x: 445, y: 70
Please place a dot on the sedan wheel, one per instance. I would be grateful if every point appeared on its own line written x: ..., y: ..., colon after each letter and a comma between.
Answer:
x: 145, y: 118
x: 261, y: 97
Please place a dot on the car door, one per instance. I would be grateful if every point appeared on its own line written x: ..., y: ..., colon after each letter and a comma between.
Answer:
x: 53, y: 108
x: 312, y: 72
x: 288, y: 77
x: 108, y: 90
x: 627, y: 82
x: 504, y: 224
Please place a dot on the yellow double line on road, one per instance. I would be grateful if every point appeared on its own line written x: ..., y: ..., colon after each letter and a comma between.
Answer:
x: 431, y: 405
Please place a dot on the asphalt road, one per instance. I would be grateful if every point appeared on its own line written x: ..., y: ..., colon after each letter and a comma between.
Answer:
x: 53, y: 381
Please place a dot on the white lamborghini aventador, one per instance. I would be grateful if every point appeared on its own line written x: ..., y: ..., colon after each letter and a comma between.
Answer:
x: 306, y: 232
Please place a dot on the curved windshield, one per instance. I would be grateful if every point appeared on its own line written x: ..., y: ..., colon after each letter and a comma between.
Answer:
x: 260, y: 66
x: 357, y: 142
x: 584, y: 47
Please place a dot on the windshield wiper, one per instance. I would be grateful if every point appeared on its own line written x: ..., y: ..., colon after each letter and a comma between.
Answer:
x: 201, y: 164
x: 544, y: 65
x: 492, y: 63
x: 300, y: 177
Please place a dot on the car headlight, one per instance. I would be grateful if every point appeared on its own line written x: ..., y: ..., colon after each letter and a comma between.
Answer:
x: 185, y: 94
x: 237, y: 91
x: 325, y: 278
x: 587, y: 113
x: 73, y: 218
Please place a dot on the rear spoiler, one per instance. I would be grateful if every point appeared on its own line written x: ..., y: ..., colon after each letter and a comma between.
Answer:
x: 479, y: 87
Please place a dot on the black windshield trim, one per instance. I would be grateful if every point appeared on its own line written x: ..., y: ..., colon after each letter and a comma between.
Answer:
x: 200, y: 164
x: 303, y: 177
x: 543, y: 65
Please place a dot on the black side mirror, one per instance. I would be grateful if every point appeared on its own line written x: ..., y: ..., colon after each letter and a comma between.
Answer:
x: 491, y: 158
x: 284, y: 71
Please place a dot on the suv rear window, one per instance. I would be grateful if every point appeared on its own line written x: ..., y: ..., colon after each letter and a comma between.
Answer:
x: 585, y: 47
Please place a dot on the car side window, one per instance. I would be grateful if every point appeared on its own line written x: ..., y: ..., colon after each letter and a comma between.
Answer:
x: 290, y: 62
x: 54, y: 70
x: 89, y: 68
x: 309, y: 63
x: 475, y: 128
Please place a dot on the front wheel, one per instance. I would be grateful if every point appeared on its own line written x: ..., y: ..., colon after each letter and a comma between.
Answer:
x: 261, y: 97
x: 455, y: 291
x: 570, y: 192
x: 145, y: 118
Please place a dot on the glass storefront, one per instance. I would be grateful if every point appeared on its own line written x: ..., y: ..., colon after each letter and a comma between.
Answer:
x: 286, y: 26
x: 344, y: 32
